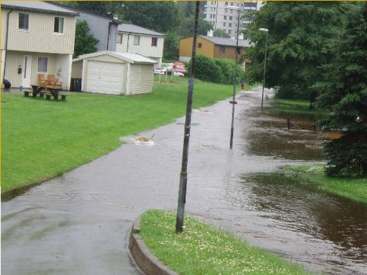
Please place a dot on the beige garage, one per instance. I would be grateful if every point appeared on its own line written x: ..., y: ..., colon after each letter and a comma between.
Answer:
x: 114, y: 73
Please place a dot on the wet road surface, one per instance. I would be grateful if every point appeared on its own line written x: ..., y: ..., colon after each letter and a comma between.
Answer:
x: 78, y: 223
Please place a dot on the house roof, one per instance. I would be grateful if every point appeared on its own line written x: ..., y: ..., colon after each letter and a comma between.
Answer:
x: 131, y: 28
x: 221, y: 41
x: 127, y: 57
x: 36, y: 6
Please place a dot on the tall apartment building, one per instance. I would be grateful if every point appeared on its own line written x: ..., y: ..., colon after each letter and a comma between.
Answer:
x: 224, y: 15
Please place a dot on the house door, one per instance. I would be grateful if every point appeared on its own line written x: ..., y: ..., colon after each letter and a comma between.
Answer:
x: 26, y: 72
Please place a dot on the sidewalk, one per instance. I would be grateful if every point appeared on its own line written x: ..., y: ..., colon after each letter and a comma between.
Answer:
x: 78, y: 223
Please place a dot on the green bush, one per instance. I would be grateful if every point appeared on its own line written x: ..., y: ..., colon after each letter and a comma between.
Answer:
x: 347, y: 156
x: 217, y: 70
x: 229, y: 68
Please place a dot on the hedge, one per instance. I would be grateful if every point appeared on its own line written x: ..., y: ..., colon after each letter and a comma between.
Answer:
x: 217, y: 70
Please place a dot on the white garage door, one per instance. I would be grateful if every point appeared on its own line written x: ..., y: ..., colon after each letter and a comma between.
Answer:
x: 105, y: 77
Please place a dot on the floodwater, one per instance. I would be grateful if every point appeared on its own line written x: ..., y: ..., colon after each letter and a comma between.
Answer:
x: 78, y: 223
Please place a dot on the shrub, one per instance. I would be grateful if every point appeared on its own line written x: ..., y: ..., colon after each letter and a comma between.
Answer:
x: 206, y: 69
x: 230, y: 68
x: 217, y: 70
x: 352, y: 162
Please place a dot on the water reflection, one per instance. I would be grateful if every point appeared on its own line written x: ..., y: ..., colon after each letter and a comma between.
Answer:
x: 270, y: 136
x: 303, y: 209
x: 325, y: 232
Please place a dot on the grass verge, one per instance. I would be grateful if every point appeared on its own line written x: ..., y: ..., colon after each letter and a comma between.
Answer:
x: 354, y: 189
x: 201, y: 249
x: 43, y: 139
x: 294, y: 109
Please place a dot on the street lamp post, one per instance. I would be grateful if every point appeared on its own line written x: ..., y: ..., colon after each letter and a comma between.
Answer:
x: 185, y: 151
x: 265, y: 60
x: 233, y: 102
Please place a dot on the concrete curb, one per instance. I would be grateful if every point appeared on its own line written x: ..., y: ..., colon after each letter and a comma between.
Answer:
x: 139, y: 253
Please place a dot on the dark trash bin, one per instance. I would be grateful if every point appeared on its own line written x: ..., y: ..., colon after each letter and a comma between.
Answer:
x: 7, y: 84
x: 76, y: 84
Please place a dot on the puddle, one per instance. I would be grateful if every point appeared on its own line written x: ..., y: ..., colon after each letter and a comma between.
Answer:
x: 325, y: 232
x: 270, y: 136
x: 332, y: 230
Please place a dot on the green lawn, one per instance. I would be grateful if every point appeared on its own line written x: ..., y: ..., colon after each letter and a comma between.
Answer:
x: 355, y: 189
x: 293, y: 108
x: 201, y: 249
x: 42, y: 139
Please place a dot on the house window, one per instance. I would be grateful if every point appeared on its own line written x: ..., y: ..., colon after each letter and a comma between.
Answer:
x: 23, y: 23
x: 42, y: 64
x: 225, y: 17
x: 230, y: 18
x: 199, y: 45
x: 59, y: 24
x: 230, y: 25
x: 119, y: 38
x: 154, y: 41
x: 226, y: 3
x: 224, y: 24
x: 229, y: 31
x: 136, y: 40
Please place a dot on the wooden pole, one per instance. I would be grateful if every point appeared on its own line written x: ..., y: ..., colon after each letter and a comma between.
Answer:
x: 185, y: 152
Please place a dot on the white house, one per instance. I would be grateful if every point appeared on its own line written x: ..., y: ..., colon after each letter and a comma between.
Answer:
x: 111, y: 72
x: 135, y: 39
x: 38, y: 38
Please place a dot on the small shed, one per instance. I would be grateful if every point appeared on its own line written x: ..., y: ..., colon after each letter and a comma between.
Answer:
x: 109, y: 72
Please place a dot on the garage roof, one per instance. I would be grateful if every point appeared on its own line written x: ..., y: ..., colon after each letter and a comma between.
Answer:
x: 127, y: 57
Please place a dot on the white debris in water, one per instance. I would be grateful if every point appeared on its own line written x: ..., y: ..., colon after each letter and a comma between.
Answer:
x: 203, y: 110
x: 141, y: 140
x: 138, y: 140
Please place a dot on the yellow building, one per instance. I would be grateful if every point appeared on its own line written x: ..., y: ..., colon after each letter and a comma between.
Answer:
x: 212, y: 47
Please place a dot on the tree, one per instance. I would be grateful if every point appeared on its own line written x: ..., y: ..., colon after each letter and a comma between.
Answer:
x: 158, y: 16
x: 344, y: 93
x: 221, y: 33
x: 84, y: 41
x: 185, y: 27
x: 301, y: 38
x: 171, y: 46
x: 97, y: 7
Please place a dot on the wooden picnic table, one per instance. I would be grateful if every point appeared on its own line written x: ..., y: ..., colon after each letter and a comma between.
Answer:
x: 49, y: 91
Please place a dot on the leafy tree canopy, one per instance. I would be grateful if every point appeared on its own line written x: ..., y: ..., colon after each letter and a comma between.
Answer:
x: 97, y: 7
x: 159, y: 16
x: 84, y: 41
x: 344, y: 93
x: 221, y: 33
x: 186, y: 20
x: 301, y: 37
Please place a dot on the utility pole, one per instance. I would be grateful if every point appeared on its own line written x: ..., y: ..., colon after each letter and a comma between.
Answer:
x: 234, y: 102
x: 265, y: 59
x: 185, y: 152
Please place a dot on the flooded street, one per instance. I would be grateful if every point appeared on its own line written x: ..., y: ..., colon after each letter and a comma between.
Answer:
x: 78, y: 223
